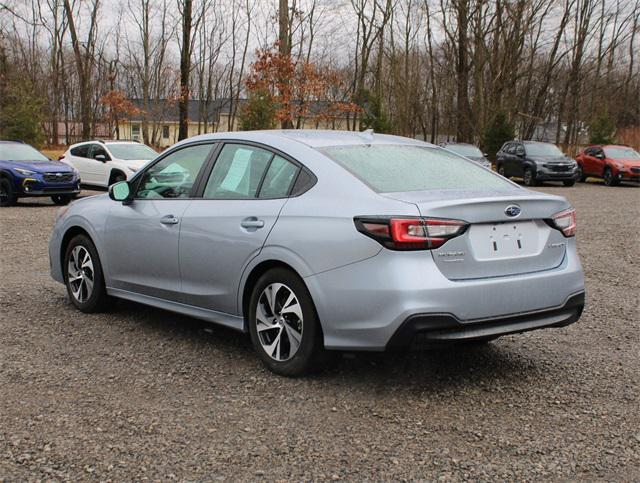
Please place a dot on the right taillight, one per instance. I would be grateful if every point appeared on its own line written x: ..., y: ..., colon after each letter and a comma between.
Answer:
x: 410, y: 233
x: 565, y: 221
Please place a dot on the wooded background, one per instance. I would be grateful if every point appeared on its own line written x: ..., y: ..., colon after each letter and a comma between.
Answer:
x: 423, y: 68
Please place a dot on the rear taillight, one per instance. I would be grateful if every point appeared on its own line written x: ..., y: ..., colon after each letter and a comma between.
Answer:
x: 565, y: 221
x: 403, y: 233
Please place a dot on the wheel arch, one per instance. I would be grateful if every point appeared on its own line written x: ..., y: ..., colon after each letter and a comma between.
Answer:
x: 72, y: 232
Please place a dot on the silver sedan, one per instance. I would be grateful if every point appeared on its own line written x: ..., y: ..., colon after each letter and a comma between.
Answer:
x: 313, y: 241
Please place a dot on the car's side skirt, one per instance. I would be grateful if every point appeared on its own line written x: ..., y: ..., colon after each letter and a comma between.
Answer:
x: 228, y: 320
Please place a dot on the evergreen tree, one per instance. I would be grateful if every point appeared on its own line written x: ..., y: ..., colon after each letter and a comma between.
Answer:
x: 21, y: 115
x: 602, y: 130
x: 258, y: 113
x: 373, y: 116
x: 498, y: 132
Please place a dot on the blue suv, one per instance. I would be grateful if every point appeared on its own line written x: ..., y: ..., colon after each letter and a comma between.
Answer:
x: 25, y: 172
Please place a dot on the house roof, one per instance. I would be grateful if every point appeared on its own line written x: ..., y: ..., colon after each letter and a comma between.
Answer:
x: 168, y: 110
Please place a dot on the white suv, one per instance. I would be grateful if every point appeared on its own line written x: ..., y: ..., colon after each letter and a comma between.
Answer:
x: 102, y: 163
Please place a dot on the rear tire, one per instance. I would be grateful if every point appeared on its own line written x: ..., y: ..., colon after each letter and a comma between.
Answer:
x: 7, y: 194
x: 61, y: 200
x: 283, y: 324
x: 529, y: 178
x: 83, y: 276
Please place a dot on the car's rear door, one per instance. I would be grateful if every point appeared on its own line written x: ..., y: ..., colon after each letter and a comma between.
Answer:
x: 142, y: 237
x: 227, y: 227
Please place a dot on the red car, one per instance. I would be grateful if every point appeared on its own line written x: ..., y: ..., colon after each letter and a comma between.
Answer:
x: 611, y: 163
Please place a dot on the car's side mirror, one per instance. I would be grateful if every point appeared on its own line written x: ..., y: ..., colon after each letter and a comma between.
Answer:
x: 486, y: 155
x: 600, y: 156
x: 120, y: 191
x: 100, y: 157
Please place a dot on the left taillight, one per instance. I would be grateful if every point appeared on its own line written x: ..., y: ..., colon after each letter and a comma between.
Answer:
x: 410, y: 233
x: 566, y: 222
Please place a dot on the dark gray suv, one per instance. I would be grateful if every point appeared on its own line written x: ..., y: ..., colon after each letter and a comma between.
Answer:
x: 536, y: 162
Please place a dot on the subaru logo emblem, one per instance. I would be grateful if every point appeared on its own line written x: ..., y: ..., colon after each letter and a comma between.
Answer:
x: 512, y: 211
x: 58, y: 175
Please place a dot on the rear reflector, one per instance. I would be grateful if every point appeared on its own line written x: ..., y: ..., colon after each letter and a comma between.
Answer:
x: 565, y: 221
x: 410, y: 233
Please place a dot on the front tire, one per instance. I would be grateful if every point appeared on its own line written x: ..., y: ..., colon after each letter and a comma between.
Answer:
x: 569, y: 182
x: 7, y: 194
x: 529, y: 178
x: 61, y: 200
x: 609, y: 178
x: 283, y: 324
x: 501, y: 171
x: 581, y: 177
x: 83, y: 276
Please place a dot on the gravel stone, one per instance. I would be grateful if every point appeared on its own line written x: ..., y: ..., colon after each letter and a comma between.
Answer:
x: 141, y: 394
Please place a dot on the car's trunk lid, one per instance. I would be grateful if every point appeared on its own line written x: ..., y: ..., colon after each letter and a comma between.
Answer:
x: 495, y: 244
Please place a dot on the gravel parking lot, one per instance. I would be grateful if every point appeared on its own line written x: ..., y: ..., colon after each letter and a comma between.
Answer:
x: 138, y: 393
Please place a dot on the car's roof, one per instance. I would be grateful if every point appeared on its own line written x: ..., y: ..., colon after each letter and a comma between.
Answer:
x: 11, y: 142
x: 459, y: 144
x: 314, y: 138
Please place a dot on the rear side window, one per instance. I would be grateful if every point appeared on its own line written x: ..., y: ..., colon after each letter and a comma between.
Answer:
x: 237, y: 172
x: 396, y: 168
x: 81, y: 151
x: 278, y: 179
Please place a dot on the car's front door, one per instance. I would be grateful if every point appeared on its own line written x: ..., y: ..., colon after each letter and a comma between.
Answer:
x: 228, y: 226
x: 518, y: 160
x: 142, y: 237
x: 99, y: 165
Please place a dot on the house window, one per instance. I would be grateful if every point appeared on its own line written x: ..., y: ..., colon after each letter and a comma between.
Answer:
x: 165, y: 132
x: 135, y: 131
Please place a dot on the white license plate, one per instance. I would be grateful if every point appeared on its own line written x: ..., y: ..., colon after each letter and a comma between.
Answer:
x: 493, y: 241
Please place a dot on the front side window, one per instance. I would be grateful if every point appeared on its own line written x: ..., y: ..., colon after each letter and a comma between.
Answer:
x: 397, y: 168
x: 238, y: 172
x: 510, y: 148
x: 174, y: 175
x: 98, y: 150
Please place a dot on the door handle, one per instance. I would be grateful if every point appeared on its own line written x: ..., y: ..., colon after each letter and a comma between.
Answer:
x: 252, y: 222
x: 169, y: 220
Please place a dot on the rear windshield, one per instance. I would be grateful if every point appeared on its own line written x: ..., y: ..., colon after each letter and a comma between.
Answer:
x: 395, y: 168
x: 464, y: 150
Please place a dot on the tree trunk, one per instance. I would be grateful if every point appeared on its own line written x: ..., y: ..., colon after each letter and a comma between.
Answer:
x: 185, y: 68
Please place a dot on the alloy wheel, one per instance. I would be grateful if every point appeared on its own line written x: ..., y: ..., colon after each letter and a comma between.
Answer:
x: 279, y: 322
x: 80, y: 274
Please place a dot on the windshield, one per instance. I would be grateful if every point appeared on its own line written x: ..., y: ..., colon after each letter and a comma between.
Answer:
x: 396, y: 168
x: 628, y: 154
x: 465, y: 150
x: 542, y: 149
x: 20, y: 152
x: 131, y: 151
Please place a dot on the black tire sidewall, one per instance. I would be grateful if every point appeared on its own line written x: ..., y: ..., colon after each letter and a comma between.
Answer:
x: 569, y: 183
x: 11, y: 194
x: 96, y: 301
x: 311, y: 346
x: 532, y: 178
x: 61, y: 200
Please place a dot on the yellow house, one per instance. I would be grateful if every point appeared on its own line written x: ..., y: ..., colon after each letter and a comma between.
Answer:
x: 162, y: 120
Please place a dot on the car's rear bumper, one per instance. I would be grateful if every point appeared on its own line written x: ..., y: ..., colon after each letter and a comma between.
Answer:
x: 363, y: 305
x: 420, y: 329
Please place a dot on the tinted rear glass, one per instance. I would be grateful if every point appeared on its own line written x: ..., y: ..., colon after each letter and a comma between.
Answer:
x: 395, y: 168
